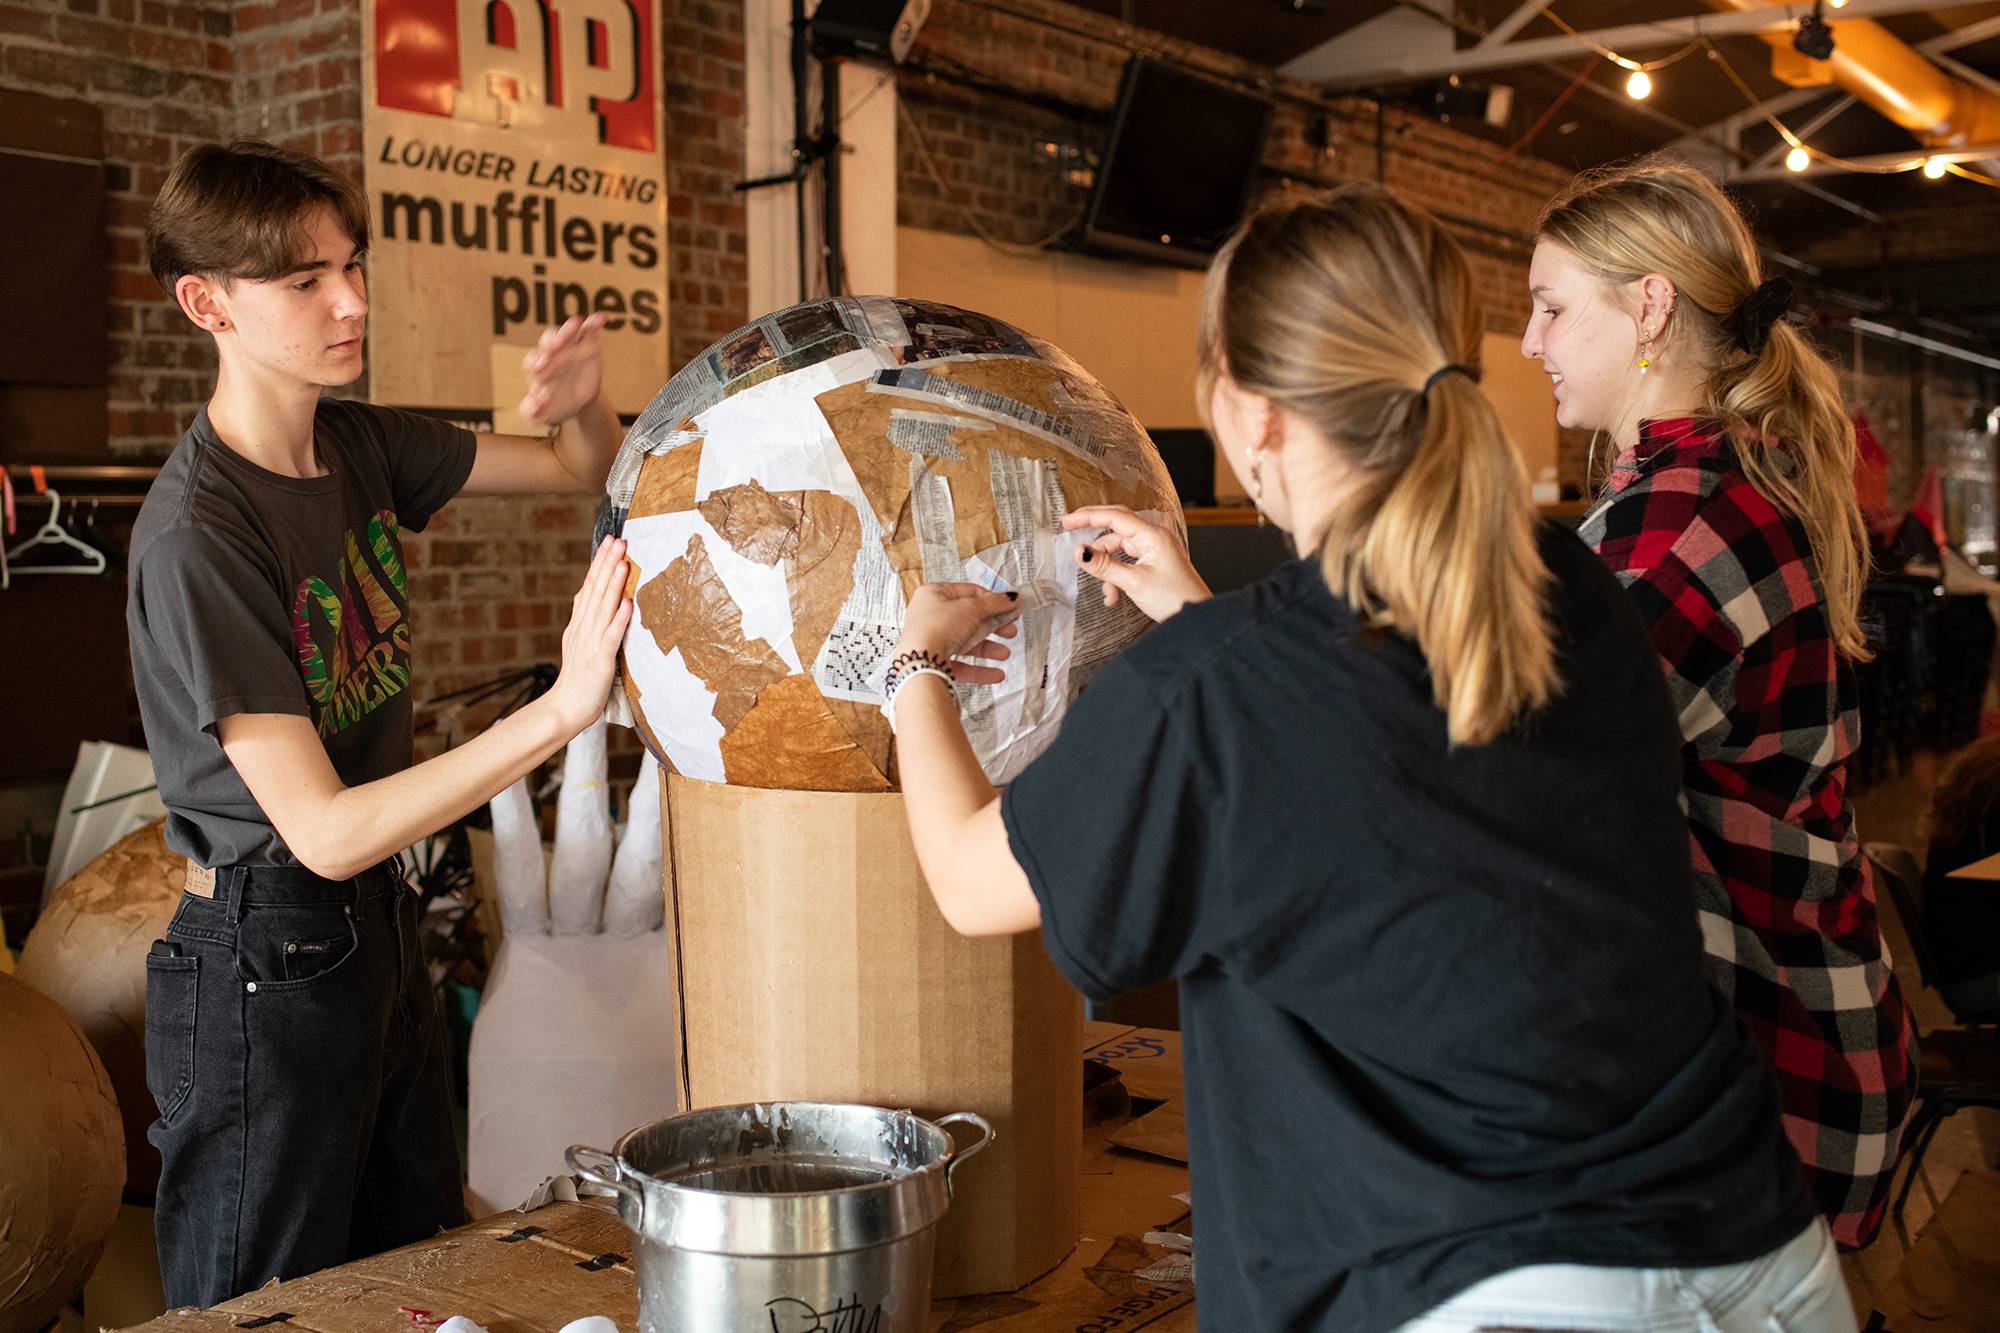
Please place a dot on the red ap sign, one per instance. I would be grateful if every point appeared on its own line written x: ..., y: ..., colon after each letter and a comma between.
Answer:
x: 570, y: 69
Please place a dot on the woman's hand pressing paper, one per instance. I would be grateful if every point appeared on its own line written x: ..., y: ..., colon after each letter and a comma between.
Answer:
x: 1136, y: 559
x: 954, y: 620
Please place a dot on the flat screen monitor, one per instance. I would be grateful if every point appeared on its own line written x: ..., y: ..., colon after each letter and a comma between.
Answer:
x: 1177, y: 166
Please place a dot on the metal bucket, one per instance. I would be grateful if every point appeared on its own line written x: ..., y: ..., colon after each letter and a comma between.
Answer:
x: 782, y: 1217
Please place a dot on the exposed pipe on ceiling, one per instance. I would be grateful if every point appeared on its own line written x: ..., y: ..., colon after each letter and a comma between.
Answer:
x: 1879, y: 68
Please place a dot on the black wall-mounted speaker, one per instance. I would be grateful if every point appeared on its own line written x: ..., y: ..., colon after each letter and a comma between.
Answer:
x: 881, y: 28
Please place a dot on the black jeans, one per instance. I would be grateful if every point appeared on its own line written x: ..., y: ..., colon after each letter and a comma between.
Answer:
x: 297, y: 1056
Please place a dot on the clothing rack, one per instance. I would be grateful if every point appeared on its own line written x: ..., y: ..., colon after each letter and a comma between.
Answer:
x: 106, y: 483
x: 83, y: 498
x: 23, y: 484
x: 88, y: 472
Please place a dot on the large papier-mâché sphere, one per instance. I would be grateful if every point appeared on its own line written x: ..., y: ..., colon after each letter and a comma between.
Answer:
x: 790, y: 488
x: 62, y: 1157
x: 87, y: 952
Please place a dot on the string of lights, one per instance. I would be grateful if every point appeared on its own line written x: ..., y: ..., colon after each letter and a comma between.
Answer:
x: 1813, y: 39
x: 1640, y: 84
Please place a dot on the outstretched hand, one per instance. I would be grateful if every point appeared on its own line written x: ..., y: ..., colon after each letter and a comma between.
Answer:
x: 565, y: 371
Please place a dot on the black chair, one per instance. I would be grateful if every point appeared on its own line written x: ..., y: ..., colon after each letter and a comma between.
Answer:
x: 1956, y: 1067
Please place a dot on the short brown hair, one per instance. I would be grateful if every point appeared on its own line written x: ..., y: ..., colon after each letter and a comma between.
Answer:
x: 242, y: 211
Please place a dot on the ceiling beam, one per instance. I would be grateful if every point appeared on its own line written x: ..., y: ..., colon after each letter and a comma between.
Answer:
x: 1730, y: 128
x: 1964, y: 71
x: 1358, y: 59
x: 1883, y: 164
x: 1505, y: 29
x: 1957, y: 37
x: 1949, y: 285
x: 1692, y: 133
x: 1805, y: 131
x: 1894, y: 334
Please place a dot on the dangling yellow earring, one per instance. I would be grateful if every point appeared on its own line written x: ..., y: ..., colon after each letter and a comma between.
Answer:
x: 1646, y: 354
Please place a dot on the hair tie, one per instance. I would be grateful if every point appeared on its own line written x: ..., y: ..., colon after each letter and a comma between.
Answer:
x: 1756, y: 313
x: 1440, y: 373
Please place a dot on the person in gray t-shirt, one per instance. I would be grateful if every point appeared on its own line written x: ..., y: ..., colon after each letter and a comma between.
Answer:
x: 293, y: 1040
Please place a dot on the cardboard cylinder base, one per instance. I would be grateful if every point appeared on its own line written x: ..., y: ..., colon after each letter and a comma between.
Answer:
x: 813, y: 965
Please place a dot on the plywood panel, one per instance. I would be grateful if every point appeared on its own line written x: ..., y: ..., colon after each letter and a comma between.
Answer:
x: 1133, y: 326
x: 1520, y: 393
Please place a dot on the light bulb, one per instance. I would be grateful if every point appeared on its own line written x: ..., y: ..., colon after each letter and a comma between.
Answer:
x: 1798, y: 159
x: 1836, y: 4
x: 1934, y: 167
x: 1639, y: 85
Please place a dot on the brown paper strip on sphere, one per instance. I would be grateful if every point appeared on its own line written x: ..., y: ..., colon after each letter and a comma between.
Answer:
x: 757, y: 524
x: 869, y: 730
x: 820, y: 573
x: 790, y: 739
x: 688, y: 607
x: 667, y: 482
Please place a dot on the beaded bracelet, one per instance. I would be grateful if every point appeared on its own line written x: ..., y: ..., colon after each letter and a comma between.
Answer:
x: 902, y: 663
x: 905, y: 667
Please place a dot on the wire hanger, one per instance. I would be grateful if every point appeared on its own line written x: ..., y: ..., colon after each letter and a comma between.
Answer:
x: 53, y: 533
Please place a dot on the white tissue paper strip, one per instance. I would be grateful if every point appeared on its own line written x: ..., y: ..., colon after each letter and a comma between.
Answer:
x: 518, y: 866
x: 636, y: 901
x: 583, y: 837
x: 458, y: 1323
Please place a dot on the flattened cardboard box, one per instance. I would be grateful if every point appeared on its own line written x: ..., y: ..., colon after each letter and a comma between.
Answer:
x: 813, y: 965
x: 513, y: 1273
x: 534, y: 1272
x: 1148, y: 1060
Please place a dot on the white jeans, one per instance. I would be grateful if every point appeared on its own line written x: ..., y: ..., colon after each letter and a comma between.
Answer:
x: 1796, y: 1288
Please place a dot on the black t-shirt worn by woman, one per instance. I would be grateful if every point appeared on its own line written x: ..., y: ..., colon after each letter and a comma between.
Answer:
x: 1445, y: 1011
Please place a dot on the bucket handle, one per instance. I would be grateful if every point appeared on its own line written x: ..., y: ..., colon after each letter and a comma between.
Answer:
x: 588, y: 1163
x: 959, y: 1155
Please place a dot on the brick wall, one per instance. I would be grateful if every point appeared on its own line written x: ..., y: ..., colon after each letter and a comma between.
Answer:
x: 707, y: 238
x: 980, y: 161
x: 298, y: 77
x: 492, y: 579
x: 161, y: 72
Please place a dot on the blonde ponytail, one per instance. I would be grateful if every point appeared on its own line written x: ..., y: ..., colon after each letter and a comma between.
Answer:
x: 1450, y: 557
x: 1787, y: 397
x: 1780, y: 405
x: 1341, y: 307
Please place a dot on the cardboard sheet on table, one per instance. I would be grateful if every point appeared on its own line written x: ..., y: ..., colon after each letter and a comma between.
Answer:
x: 1099, y: 1287
x: 1162, y: 1132
x: 1097, y: 1032
x: 1148, y: 1061
x: 512, y: 1273
x: 1124, y: 1196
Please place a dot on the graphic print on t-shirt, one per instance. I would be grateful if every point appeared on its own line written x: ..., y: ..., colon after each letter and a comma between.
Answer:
x: 354, y: 645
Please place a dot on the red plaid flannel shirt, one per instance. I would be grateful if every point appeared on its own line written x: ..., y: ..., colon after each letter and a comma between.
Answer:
x: 1769, y: 717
